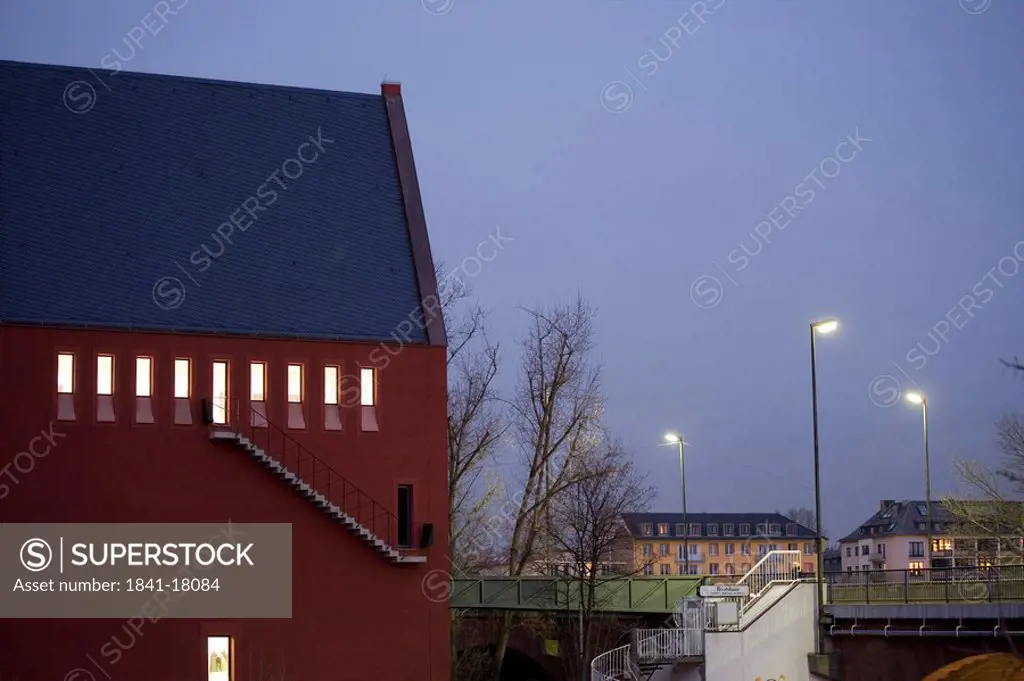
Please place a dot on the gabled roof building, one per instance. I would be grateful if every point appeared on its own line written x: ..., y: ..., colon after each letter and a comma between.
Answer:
x: 218, y: 305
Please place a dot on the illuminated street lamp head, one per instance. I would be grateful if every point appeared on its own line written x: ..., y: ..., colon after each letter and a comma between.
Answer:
x: 672, y: 438
x: 826, y: 326
x: 915, y: 398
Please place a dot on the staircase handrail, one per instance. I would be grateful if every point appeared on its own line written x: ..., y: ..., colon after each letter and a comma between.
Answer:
x: 614, y: 665
x: 338, y: 489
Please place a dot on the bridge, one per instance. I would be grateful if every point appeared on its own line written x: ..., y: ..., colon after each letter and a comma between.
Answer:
x: 661, y: 595
x: 899, y: 624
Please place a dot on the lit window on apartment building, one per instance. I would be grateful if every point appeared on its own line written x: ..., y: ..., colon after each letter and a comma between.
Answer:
x: 220, y: 392
x: 645, y: 529
x: 182, y: 379
x: 296, y: 392
x: 105, y: 388
x: 915, y: 566
x: 65, y: 373
x: 368, y: 399
x: 258, y: 394
x: 144, y: 390
x: 258, y: 382
x: 728, y: 529
x: 218, y: 658
x: 182, y: 392
x: 65, y: 386
x: 105, y: 375
x: 712, y: 529
x: 744, y: 530
x: 143, y: 377
x: 942, y: 544
x: 332, y: 397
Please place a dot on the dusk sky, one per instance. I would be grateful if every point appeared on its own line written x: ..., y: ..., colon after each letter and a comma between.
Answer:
x: 711, y: 176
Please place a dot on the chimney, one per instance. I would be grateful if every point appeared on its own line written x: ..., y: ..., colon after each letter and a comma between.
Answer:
x: 390, y: 88
x: 886, y: 503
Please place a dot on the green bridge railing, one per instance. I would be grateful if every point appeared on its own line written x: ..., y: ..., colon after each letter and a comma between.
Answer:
x: 619, y: 594
x: 938, y: 585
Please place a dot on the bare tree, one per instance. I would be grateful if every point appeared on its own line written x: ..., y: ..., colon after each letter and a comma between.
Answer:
x: 555, y: 414
x: 804, y: 516
x: 591, y: 537
x: 993, y: 507
x: 475, y: 423
x: 475, y: 426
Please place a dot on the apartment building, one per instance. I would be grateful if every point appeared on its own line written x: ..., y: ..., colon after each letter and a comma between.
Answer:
x: 896, y: 537
x: 714, y: 543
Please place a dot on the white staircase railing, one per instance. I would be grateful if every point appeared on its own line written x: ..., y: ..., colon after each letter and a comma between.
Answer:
x: 614, y: 665
x: 660, y: 645
x: 775, y: 567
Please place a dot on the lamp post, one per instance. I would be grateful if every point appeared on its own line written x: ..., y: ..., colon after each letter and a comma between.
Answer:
x: 824, y: 326
x: 919, y: 398
x: 673, y: 438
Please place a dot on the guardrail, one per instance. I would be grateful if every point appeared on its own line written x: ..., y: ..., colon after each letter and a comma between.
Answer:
x: 937, y: 585
x: 618, y: 594
x: 667, y: 645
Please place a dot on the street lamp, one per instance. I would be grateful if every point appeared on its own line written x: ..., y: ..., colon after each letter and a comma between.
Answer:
x: 823, y: 326
x: 919, y: 398
x: 674, y: 438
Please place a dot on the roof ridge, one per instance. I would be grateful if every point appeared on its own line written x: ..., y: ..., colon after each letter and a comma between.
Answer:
x: 196, y: 80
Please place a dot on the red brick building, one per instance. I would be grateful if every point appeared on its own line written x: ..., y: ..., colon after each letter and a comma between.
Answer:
x: 186, y: 259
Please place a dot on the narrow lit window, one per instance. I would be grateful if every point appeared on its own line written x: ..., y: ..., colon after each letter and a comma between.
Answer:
x: 182, y: 378
x: 218, y: 658
x: 368, y: 387
x: 331, y: 384
x: 105, y: 375
x: 257, y: 381
x: 143, y: 377
x: 294, y: 383
x: 220, y: 392
x: 65, y: 373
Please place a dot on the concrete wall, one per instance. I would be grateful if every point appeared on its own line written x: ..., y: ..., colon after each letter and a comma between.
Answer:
x: 776, y: 644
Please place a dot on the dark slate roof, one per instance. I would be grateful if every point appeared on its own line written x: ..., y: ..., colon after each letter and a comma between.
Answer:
x: 899, y: 518
x: 634, y: 520
x: 105, y: 213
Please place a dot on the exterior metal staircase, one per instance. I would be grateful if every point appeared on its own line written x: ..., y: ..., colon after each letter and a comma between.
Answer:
x: 314, y: 480
x: 653, y: 649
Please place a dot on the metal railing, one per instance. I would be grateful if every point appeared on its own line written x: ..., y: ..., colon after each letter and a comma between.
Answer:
x: 667, y: 645
x: 614, y: 665
x: 935, y: 585
x: 314, y: 471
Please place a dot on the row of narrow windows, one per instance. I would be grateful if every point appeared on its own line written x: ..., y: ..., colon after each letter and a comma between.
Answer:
x: 220, y: 388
